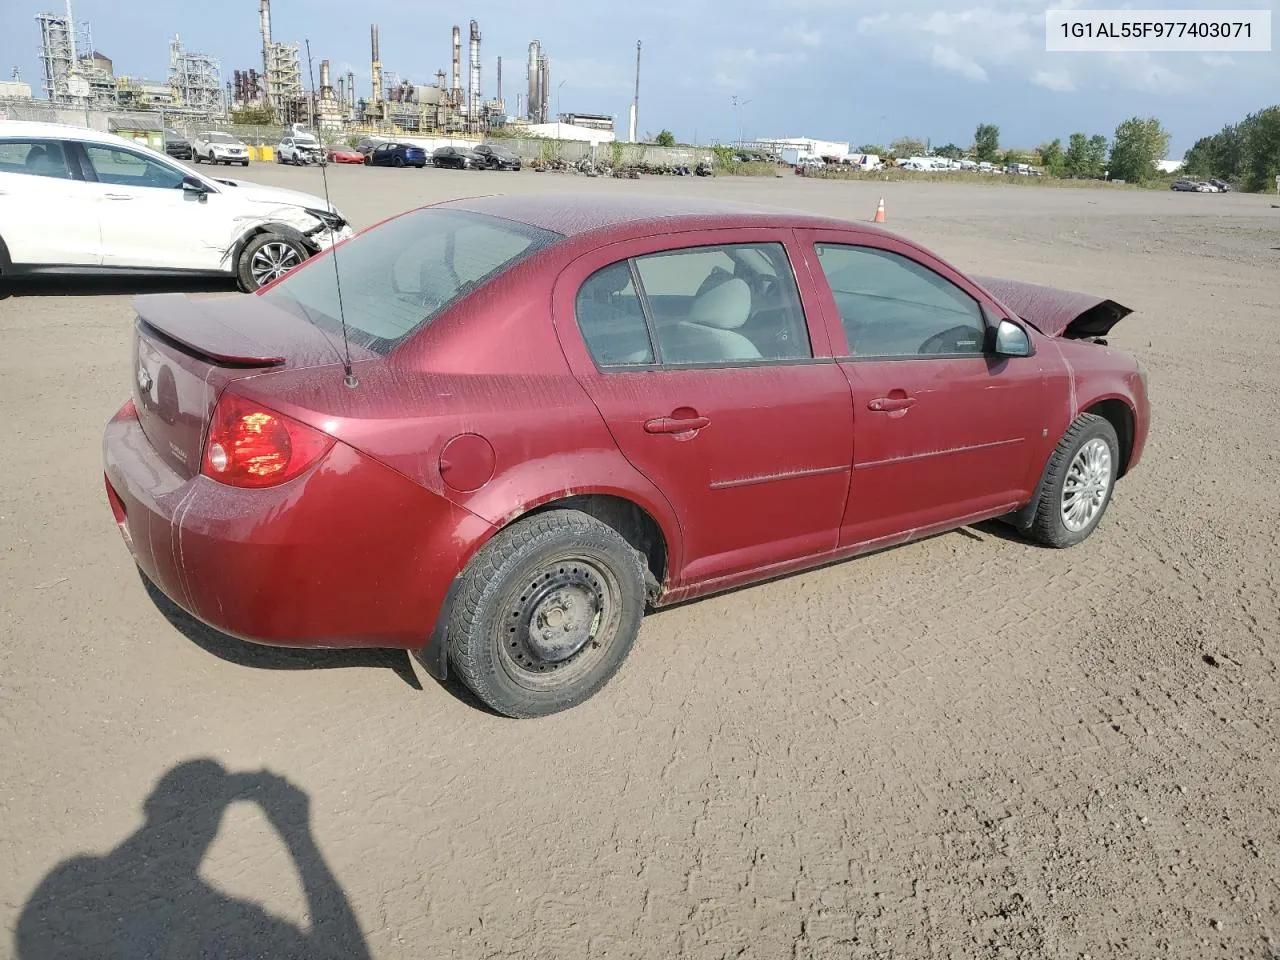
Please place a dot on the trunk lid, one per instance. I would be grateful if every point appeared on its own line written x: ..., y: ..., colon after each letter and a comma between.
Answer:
x: 1059, y: 313
x: 185, y: 351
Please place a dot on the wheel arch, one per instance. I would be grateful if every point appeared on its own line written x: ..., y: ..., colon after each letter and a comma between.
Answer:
x: 1119, y: 413
x: 270, y: 226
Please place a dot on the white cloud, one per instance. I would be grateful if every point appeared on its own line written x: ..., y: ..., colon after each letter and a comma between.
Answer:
x: 1218, y: 60
x: 1059, y: 81
x: 799, y: 32
x: 948, y: 58
x: 741, y: 70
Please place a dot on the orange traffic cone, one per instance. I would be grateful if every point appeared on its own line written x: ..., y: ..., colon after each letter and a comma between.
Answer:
x: 880, y: 211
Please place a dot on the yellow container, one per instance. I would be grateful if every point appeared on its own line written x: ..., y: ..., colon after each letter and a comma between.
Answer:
x: 263, y: 153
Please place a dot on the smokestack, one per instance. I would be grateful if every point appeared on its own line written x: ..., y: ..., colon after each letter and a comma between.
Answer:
x: 473, y: 84
x: 499, y: 96
x: 457, y: 67
x: 376, y: 65
x: 350, y: 101
x: 326, y: 90
x: 531, y: 103
x: 544, y: 88
x: 264, y: 15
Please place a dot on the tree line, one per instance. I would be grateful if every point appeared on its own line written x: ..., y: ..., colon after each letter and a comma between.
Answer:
x: 1246, y: 153
x: 1132, y: 154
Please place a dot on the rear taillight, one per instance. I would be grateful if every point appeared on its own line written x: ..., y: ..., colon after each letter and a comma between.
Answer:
x: 250, y: 445
x: 127, y: 411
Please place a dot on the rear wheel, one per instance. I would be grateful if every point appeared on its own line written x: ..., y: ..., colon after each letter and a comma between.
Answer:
x: 1078, y: 482
x: 267, y: 257
x: 399, y: 161
x: 547, y: 612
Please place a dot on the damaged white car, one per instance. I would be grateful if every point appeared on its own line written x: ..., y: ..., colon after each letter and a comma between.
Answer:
x: 76, y: 201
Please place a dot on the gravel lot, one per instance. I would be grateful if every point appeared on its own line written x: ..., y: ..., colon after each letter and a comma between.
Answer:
x: 964, y: 747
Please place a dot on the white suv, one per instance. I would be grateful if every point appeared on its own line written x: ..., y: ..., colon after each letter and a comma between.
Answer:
x: 73, y: 200
x: 217, y: 147
x: 300, y: 150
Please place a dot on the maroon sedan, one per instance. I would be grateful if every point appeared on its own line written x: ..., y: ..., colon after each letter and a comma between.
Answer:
x: 518, y: 421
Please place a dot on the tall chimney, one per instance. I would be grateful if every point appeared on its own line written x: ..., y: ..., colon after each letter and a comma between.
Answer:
x: 544, y: 87
x: 473, y: 83
x: 264, y: 14
x: 457, y: 67
x: 376, y: 66
x: 499, y: 96
x: 531, y: 104
x: 635, y: 104
x: 326, y: 90
x: 351, y: 90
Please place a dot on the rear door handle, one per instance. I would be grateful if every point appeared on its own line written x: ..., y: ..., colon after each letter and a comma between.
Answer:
x: 119, y: 196
x: 675, y: 424
x: 889, y: 404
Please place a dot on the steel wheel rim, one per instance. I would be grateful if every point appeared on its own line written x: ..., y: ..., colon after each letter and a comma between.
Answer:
x: 1087, y: 485
x: 271, y: 261
x: 559, y: 623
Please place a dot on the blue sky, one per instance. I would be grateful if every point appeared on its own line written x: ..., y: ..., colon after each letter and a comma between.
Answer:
x: 858, y: 70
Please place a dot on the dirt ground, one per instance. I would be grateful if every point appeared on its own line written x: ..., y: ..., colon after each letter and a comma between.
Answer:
x: 964, y: 747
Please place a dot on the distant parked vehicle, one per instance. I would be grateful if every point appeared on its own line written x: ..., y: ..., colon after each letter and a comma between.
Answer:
x: 395, y: 154
x: 214, y: 146
x: 1183, y: 185
x: 176, y: 145
x: 366, y: 144
x: 1222, y: 185
x: 300, y: 151
x: 344, y: 155
x: 494, y: 157
x: 459, y: 158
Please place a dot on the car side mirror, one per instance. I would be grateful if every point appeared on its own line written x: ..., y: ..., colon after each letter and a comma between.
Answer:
x: 1011, y: 340
x: 191, y: 185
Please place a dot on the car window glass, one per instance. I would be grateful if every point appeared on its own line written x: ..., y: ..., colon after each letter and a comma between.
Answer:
x: 611, y: 318
x: 128, y: 169
x: 892, y: 306
x: 35, y: 158
x: 724, y: 304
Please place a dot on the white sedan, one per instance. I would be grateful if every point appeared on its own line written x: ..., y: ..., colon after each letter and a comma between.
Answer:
x: 76, y: 201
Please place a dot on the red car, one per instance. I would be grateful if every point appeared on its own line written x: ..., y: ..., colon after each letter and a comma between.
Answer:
x: 558, y: 412
x: 344, y: 155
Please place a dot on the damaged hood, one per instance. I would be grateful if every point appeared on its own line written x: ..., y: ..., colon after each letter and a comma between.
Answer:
x: 1059, y: 313
x: 257, y: 193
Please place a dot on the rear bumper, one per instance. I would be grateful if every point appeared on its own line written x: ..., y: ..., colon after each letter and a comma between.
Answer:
x: 350, y: 554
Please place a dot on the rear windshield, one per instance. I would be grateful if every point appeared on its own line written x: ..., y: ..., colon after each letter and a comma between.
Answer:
x: 399, y: 276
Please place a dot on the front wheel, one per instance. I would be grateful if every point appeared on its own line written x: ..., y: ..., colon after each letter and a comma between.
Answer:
x: 1078, y: 482
x: 547, y: 612
x: 267, y: 257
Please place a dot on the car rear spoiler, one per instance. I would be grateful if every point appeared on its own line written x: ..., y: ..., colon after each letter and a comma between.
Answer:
x: 1059, y: 313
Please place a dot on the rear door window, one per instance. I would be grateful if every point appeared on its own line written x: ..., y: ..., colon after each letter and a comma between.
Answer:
x: 35, y: 158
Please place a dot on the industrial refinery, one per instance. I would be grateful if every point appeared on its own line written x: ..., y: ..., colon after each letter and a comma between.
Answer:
x: 280, y: 88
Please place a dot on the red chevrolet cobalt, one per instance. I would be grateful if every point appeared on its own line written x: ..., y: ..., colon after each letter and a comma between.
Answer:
x: 494, y: 431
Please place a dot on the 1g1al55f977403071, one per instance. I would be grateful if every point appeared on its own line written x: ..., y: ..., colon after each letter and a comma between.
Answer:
x: 1156, y: 31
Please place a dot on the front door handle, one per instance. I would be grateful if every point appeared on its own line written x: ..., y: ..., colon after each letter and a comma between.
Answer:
x: 675, y: 424
x: 119, y: 196
x: 889, y: 404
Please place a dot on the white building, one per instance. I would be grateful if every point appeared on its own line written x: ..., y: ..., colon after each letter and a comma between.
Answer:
x: 806, y: 146
x: 567, y: 131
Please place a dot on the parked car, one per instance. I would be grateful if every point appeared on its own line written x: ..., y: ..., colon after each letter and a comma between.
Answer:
x: 1222, y: 185
x: 1183, y: 185
x: 176, y: 145
x: 344, y: 155
x: 551, y: 419
x: 366, y: 144
x: 495, y: 157
x: 457, y: 158
x: 76, y: 201
x: 300, y: 151
x: 395, y: 154
x: 214, y: 146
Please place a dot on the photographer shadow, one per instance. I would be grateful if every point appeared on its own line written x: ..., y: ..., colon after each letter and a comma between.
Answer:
x: 146, y: 899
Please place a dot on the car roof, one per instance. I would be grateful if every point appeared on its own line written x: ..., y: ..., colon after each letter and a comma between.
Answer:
x: 577, y: 215
x: 60, y: 131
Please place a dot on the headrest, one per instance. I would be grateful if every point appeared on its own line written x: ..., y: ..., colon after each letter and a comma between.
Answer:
x: 726, y: 306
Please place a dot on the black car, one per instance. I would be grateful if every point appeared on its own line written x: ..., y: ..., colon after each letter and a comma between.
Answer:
x: 459, y: 158
x: 1222, y: 185
x: 395, y: 154
x: 176, y: 145
x: 496, y: 158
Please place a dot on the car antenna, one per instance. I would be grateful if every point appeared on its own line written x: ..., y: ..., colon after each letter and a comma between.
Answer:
x: 348, y: 376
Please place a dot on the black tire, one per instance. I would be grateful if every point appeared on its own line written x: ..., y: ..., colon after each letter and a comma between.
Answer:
x: 244, y: 266
x: 244, y: 163
x: 1049, y: 526
x: 554, y: 576
x: 399, y: 161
